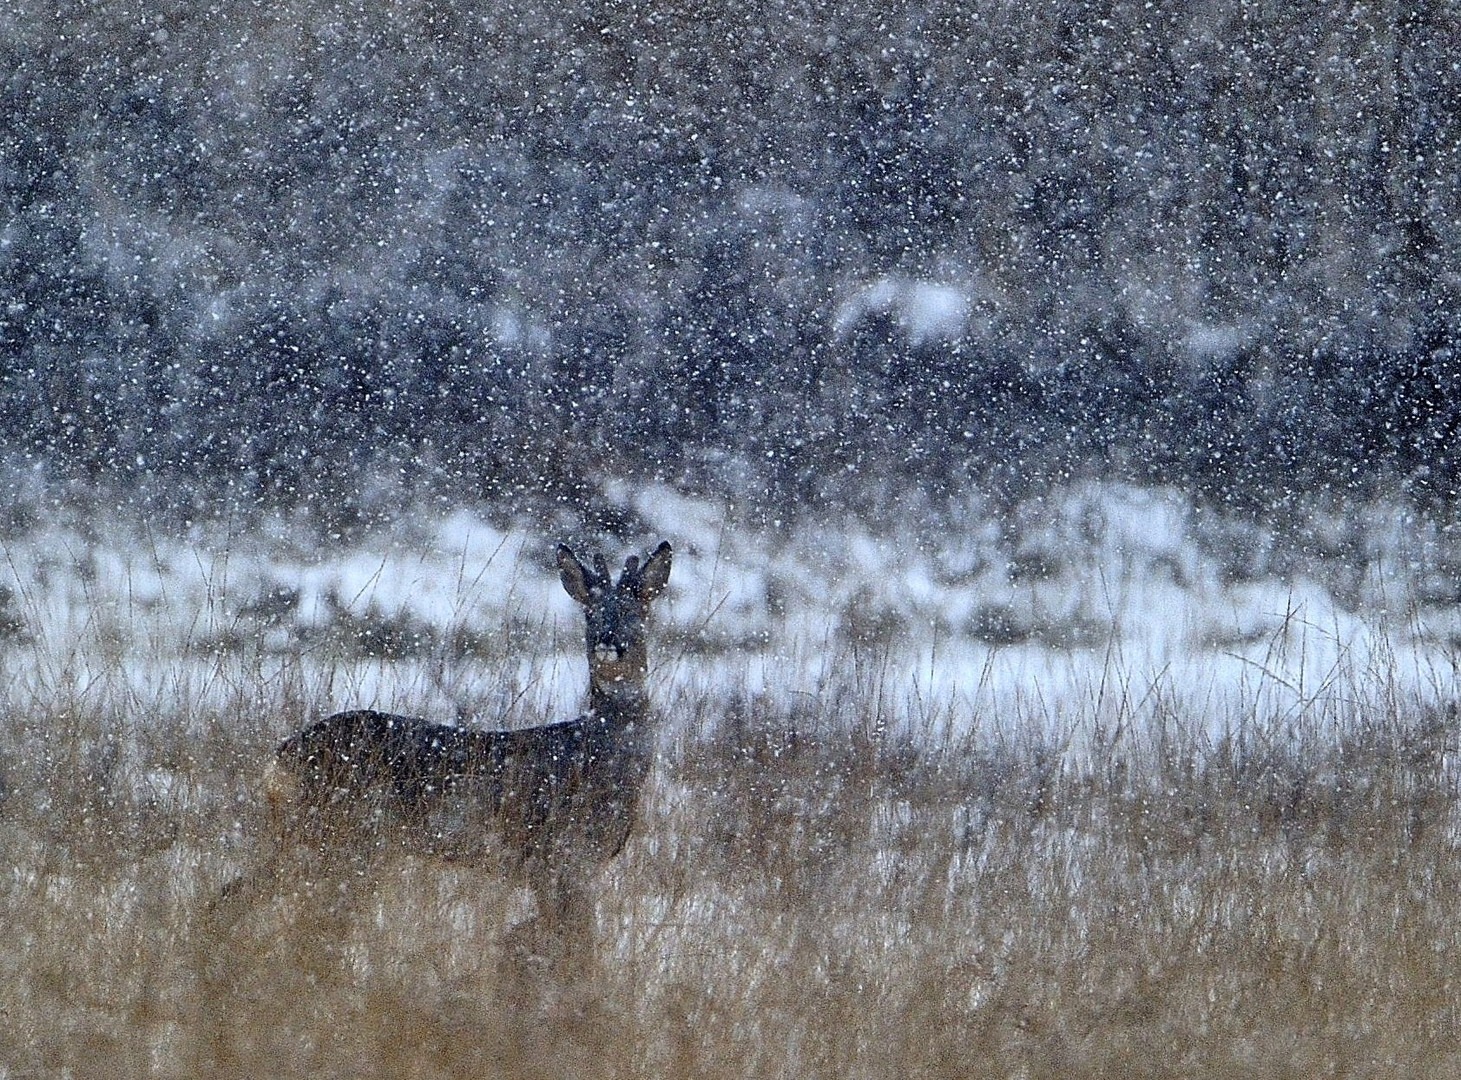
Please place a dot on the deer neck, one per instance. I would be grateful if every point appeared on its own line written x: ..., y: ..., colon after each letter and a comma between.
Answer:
x: 620, y: 703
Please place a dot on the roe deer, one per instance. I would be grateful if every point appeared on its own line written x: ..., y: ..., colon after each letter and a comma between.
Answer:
x: 562, y: 797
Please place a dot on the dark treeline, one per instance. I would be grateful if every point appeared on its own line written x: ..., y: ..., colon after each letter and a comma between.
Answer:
x: 267, y: 251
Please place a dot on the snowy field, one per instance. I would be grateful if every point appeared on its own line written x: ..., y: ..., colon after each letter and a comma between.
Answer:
x: 1097, y: 605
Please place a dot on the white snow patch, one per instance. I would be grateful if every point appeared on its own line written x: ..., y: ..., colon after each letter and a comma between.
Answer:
x: 1095, y: 598
x: 516, y: 329
x: 1214, y: 341
x: 926, y: 311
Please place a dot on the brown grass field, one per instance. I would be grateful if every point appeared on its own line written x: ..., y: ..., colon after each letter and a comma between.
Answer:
x: 807, y: 896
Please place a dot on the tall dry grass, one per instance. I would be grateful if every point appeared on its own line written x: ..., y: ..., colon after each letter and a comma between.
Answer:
x: 812, y: 893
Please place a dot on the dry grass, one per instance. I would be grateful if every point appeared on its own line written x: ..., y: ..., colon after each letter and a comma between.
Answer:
x: 809, y: 896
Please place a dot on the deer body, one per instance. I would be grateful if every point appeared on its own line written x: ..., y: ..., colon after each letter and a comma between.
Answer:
x: 562, y: 797
x: 569, y: 789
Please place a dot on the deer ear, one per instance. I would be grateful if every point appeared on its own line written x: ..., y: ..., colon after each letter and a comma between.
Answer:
x: 575, y: 578
x: 656, y: 572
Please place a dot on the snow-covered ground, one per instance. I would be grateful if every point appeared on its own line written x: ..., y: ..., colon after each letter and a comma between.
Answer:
x: 1101, y: 604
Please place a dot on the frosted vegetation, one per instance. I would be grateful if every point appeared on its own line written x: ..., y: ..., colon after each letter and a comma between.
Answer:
x: 1053, y: 409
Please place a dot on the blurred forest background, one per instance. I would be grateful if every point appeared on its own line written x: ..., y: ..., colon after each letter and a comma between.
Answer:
x: 792, y: 253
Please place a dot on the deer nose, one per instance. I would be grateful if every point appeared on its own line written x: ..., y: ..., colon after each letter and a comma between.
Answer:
x: 607, y: 650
